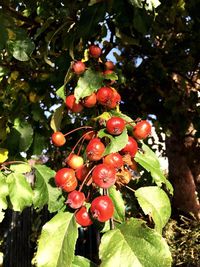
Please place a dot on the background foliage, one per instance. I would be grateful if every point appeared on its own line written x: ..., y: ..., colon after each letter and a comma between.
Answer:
x: 155, y: 47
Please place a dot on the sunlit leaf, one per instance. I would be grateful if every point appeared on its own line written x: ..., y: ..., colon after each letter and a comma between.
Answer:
x: 80, y: 261
x: 20, y: 191
x: 56, y: 245
x: 149, y: 161
x: 119, y: 213
x: 155, y: 202
x: 45, y: 190
x: 56, y: 118
x: 3, y: 154
x: 134, y: 244
x: 116, y: 142
x: 4, y: 191
x: 90, y: 82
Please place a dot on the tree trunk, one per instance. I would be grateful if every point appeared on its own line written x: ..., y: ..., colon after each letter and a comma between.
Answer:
x: 184, y: 172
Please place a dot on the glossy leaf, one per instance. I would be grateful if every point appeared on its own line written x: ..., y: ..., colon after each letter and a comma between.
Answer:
x: 149, y: 161
x: 134, y: 244
x: 155, y: 202
x: 115, y: 195
x: 90, y: 82
x: 45, y: 190
x: 4, y: 191
x: 56, y: 245
x: 116, y: 142
x: 20, y: 191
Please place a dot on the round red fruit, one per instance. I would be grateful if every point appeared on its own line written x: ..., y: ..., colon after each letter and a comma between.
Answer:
x: 65, y: 178
x: 95, y: 149
x: 82, y: 217
x: 58, y: 139
x: 74, y: 161
x: 114, y: 159
x: 104, y: 96
x: 75, y: 199
x: 142, y: 129
x: 104, y: 175
x: 82, y: 172
x: 89, y: 135
x: 115, y: 125
x: 102, y: 208
x: 95, y: 51
x: 89, y: 101
x: 72, y: 105
x: 78, y: 67
x: 131, y: 147
x: 109, y: 65
x: 116, y: 98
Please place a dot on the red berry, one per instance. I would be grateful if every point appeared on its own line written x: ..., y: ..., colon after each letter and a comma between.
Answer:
x: 74, y: 161
x: 109, y: 65
x: 72, y: 105
x: 89, y: 101
x: 104, y: 96
x: 82, y: 217
x: 116, y: 98
x: 131, y: 147
x: 95, y: 149
x: 65, y: 178
x: 82, y: 172
x: 95, y: 51
x: 89, y: 135
x: 114, y: 159
x: 75, y: 199
x: 142, y: 129
x: 115, y: 125
x: 78, y: 67
x: 58, y: 139
x: 102, y: 208
x: 104, y: 175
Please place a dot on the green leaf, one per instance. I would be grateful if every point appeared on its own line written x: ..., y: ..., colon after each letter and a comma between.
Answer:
x: 3, y: 154
x: 57, y: 242
x: 21, y: 49
x: 90, y: 82
x: 20, y: 168
x: 134, y: 244
x: 80, y: 261
x: 119, y: 213
x: 23, y: 135
x: 45, y: 191
x: 116, y: 143
x: 149, y: 4
x: 57, y: 118
x: 61, y: 92
x: 111, y: 76
x: 155, y: 202
x: 20, y: 191
x: 39, y: 143
x: 4, y: 192
x: 149, y: 161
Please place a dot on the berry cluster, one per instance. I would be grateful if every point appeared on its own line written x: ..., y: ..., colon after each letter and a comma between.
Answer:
x: 84, y: 176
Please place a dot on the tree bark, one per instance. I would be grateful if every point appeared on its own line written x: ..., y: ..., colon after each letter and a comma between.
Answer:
x: 184, y: 172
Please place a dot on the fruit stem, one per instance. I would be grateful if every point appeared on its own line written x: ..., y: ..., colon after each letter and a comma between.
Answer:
x: 85, y: 179
x: 79, y: 128
x: 83, y: 141
x: 131, y: 189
